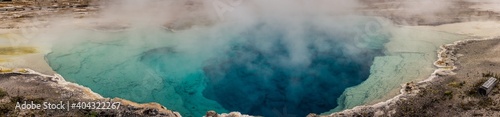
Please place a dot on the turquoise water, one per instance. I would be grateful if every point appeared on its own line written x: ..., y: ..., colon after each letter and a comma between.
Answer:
x: 260, y: 68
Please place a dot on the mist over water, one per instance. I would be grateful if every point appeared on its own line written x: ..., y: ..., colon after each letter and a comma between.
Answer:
x: 258, y: 70
x: 262, y: 76
x: 261, y: 59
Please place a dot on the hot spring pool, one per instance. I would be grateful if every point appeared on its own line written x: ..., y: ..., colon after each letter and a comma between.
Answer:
x: 262, y: 68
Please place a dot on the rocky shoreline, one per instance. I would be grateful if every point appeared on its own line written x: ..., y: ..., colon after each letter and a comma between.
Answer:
x: 25, y: 85
x: 414, y: 92
x: 387, y: 108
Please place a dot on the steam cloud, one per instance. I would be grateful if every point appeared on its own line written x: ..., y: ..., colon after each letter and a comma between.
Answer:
x: 262, y: 55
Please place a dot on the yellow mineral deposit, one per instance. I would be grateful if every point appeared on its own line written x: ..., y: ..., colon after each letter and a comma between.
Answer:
x: 17, y: 50
x: 15, y: 44
x: 3, y: 59
x: 5, y: 70
x: 22, y: 70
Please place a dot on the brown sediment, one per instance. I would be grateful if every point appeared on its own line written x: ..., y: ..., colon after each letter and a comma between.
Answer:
x: 458, y: 11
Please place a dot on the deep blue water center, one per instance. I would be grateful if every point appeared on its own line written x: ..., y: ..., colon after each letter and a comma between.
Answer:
x: 264, y: 69
x: 254, y: 81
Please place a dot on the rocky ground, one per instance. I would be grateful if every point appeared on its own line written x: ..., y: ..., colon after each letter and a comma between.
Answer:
x: 457, y: 94
x: 450, y: 11
x: 22, y: 15
x: 447, y: 93
x: 21, y: 85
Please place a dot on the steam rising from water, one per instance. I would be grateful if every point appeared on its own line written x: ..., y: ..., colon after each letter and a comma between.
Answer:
x: 261, y: 57
x: 302, y: 74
